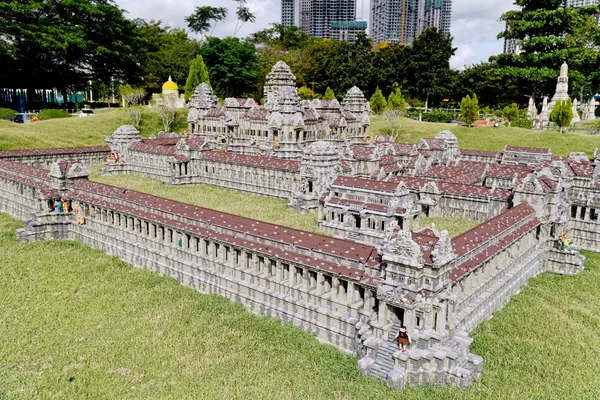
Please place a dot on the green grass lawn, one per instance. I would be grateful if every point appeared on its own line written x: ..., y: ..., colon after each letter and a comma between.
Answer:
x: 120, y: 332
x: 493, y: 139
x: 233, y: 201
x: 454, y: 226
x: 125, y: 333
x: 76, y: 131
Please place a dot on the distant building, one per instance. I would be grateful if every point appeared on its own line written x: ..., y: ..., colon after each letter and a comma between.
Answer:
x: 400, y: 21
x: 321, y: 18
x: 347, y: 30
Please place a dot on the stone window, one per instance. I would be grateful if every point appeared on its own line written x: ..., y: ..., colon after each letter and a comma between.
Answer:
x: 573, y: 211
x: 371, y: 223
x: 272, y: 267
x: 327, y: 283
x: 593, y: 214
x: 419, y: 321
x: 312, y: 276
x: 286, y: 271
x: 248, y: 260
x: 332, y: 216
x: 582, y: 213
x: 383, y: 225
x: 170, y: 236
x: 217, y: 248
x: 261, y: 264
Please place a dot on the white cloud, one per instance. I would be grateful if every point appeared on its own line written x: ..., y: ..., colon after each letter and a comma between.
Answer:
x: 475, y: 24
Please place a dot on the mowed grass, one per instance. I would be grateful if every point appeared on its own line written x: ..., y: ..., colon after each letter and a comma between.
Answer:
x: 77, y: 131
x: 492, y: 139
x: 77, y: 324
x: 454, y: 226
x: 264, y: 208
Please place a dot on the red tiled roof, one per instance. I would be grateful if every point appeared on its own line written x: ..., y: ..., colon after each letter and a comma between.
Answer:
x: 536, y: 150
x: 480, y: 153
x: 471, y: 239
x: 508, y: 171
x: 361, y: 183
x: 435, y: 144
x: 236, y: 224
x: 55, y: 151
x: 427, y: 240
x: 473, y: 262
x: 255, y: 161
x: 403, y: 149
x: 144, y: 147
x: 362, y: 152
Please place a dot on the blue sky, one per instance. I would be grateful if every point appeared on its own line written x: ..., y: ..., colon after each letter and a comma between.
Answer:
x: 475, y: 24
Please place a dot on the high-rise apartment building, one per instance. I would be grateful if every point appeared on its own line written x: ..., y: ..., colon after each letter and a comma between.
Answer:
x: 315, y: 17
x: 400, y: 21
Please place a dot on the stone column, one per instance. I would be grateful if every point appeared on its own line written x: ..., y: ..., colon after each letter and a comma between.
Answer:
x: 383, y: 313
x: 351, y: 293
x: 335, y: 286
x: 319, y: 289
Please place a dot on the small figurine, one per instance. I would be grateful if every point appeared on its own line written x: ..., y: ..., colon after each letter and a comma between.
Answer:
x: 116, y: 158
x: 65, y: 205
x: 185, y: 134
x: 403, y: 339
x: 364, y: 138
x: 230, y: 138
x: 76, y: 208
x: 58, y: 207
x: 277, y: 145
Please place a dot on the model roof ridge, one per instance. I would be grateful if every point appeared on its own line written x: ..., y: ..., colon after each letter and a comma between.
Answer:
x: 245, y: 222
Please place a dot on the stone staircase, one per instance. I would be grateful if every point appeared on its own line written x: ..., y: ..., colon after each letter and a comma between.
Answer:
x: 426, y: 361
x: 385, y: 362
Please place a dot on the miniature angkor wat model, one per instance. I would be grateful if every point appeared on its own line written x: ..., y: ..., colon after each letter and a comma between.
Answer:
x: 358, y: 288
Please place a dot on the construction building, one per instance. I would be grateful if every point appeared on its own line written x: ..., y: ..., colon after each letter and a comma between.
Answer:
x: 315, y: 17
x: 400, y: 21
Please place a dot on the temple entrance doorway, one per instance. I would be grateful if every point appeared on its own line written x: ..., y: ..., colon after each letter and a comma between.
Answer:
x: 397, y: 315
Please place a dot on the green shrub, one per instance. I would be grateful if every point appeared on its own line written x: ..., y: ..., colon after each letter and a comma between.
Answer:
x: 51, y: 114
x: 522, y: 123
x: 438, y: 116
x: 7, y: 113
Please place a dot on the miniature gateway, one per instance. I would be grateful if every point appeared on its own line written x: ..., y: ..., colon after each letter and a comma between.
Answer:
x: 354, y: 290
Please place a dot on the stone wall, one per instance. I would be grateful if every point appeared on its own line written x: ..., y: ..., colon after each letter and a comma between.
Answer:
x: 44, y: 158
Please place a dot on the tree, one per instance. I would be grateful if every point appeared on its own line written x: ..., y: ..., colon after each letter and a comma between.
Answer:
x: 132, y: 97
x: 510, y: 113
x: 562, y: 114
x: 469, y: 108
x: 198, y: 74
x: 429, y: 69
x: 163, y: 52
x: 203, y: 17
x: 549, y: 34
x: 232, y: 66
x: 377, y: 101
x: 395, y: 99
x: 329, y: 94
x: 65, y: 44
x: 306, y: 93
x: 166, y: 107
x: 393, y: 118
x: 244, y: 15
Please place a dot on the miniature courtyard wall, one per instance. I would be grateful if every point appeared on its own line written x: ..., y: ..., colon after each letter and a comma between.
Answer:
x: 44, y: 158
x: 340, y: 290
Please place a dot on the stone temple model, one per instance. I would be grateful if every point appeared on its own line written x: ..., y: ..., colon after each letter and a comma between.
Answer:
x: 561, y: 94
x: 377, y: 273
